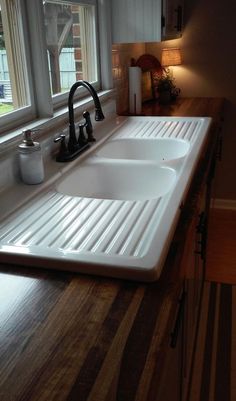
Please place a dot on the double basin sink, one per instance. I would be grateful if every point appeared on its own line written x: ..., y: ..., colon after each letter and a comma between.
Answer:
x: 114, y: 212
x: 133, y: 170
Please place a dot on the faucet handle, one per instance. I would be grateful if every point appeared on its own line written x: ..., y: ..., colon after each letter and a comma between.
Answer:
x: 63, y: 148
x: 81, y: 140
x: 61, y: 138
x: 88, y: 126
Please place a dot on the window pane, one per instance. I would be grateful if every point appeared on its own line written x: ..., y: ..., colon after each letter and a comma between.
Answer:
x: 71, y: 43
x: 14, y: 92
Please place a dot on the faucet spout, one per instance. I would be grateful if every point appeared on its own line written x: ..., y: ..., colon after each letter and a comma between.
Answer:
x: 72, y: 143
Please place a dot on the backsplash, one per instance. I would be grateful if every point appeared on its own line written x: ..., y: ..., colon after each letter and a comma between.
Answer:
x: 121, y: 59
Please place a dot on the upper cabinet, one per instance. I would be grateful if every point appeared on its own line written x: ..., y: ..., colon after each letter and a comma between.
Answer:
x: 172, y: 19
x: 146, y: 20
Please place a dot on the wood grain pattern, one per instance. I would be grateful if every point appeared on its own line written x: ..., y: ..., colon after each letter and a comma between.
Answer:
x: 213, y: 377
x: 221, y: 251
x: 189, y: 107
x: 66, y: 336
x: 94, y: 331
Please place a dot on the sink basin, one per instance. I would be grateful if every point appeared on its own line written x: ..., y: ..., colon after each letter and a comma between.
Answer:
x: 118, y: 180
x: 160, y: 149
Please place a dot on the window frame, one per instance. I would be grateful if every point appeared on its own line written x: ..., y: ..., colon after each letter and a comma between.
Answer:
x: 43, y: 104
x: 28, y: 112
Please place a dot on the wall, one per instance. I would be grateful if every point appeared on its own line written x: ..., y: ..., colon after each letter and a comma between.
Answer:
x: 209, y: 69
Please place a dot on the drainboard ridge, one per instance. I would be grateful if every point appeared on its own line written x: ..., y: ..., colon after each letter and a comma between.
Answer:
x: 61, y: 223
x: 181, y: 129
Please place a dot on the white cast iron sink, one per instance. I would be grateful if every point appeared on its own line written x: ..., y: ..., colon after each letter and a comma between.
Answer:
x: 161, y: 149
x: 114, y: 212
x: 118, y: 180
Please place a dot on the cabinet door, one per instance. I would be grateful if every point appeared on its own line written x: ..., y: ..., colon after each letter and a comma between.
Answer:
x: 172, y: 19
x: 194, y: 264
x: 170, y: 388
x: 191, y: 263
x: 136, y: 21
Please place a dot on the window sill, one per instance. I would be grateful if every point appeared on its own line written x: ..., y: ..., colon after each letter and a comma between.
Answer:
x: 12, y: 138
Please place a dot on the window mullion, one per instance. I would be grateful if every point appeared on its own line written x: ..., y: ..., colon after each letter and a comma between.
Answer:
x: 39, y: 61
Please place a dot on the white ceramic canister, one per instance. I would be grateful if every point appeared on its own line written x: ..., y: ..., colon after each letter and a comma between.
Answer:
x: 31, y: 160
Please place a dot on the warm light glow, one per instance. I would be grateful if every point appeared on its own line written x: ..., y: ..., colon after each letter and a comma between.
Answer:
x: 171, y: 56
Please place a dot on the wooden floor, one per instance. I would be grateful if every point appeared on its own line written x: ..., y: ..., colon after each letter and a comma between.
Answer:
x: 221, y: 254
x: 214, y: 368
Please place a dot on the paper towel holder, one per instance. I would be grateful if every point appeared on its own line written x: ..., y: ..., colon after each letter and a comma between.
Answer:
x: 151, y: 67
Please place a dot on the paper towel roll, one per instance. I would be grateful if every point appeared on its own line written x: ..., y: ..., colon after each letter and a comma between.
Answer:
x: 135, y: 97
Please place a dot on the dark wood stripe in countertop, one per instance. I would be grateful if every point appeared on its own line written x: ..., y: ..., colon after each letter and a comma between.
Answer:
x: 96, y: 354
x: 70, y: 337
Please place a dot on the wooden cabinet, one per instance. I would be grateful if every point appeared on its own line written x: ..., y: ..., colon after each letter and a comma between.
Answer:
x: 179, y: 354
x: 146, y: 20
x: 170, y: 387
x: 175, y: 381
x: 193, y: 263
x: 194, y: 266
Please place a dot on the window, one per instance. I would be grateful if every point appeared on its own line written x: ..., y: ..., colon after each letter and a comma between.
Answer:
x: 45, y: 46
x: 71, y: 43
x: 14, y: 88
